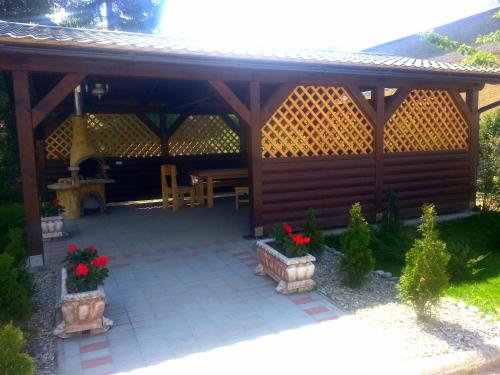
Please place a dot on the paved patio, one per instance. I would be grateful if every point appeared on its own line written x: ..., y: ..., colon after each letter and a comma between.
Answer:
x: 185, y: 299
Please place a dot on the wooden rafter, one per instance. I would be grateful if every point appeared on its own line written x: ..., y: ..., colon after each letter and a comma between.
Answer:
x: 489, y: 106
x: 395, y: 101
x: 176, y: 125
x: 234, y: 127
x: 273, y: 103
x: 228, y: 96
x: 461, y: 105
x: 147, y: 122
x: 54, y: 97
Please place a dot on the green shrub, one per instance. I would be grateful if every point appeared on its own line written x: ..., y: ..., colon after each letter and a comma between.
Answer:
x: 489, y: 161
x: 317, y: 245
x: 12, y: 359
x: 357, y: 261
x: 424, y: 276
x: 16, y: 247
x: 11, y: 216
x: 463, y: 265
x: 392, y: 222
x: 15, y: 302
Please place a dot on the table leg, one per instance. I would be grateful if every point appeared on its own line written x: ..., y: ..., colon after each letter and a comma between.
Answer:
x: 210, y: 192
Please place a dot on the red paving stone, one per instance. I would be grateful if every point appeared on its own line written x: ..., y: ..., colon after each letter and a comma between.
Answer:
x: 96, y: 362
x: 241, y: 253
x: 328, y: 319
x: 303, y: 300
x: 316, y: 310
x: 252, y: 264
x: 94, y: 347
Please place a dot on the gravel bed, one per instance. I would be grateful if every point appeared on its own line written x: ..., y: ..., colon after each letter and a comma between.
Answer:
x: 42, y: 343
x: 454, y: 326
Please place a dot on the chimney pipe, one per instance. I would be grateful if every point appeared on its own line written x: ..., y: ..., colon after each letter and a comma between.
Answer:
x: 78, y: 101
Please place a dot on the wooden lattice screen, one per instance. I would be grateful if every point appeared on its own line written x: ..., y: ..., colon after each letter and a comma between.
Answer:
x: 113, y: 135
x: 204, y: 135
x: 426, y: 121
x: 317, y: 121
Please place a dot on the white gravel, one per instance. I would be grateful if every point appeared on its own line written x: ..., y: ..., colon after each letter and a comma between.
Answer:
x: 42, y: 343
x: 453, y: 327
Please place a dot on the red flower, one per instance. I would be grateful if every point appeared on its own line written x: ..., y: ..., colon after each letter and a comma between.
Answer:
x: 55, y: 201
x: 72, y: 248
x: 287, y: 228
x: 306, y: 240
x: 297, y: 239
x: 91, y: 248
x: 100, y: 262
x: 82, y: 270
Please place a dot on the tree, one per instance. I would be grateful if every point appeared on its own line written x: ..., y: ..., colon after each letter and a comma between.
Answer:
x: 472, y: 54
x: 489, y: 161
x: 127, y: 15
x: 27, y: 11
x: 424, y: 277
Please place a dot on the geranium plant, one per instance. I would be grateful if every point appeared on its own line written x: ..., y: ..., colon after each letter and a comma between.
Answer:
x: 52, y: 208
x: 86, y: 270
x: 293, y: 245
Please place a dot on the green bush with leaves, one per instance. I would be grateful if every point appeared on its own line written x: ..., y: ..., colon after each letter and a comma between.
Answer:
x: 13, y: 361
x: 463, y: 265
x: 489, y: 161
x: 424, y: 277
x: 15, y: 302
x: 357, y: 261
x: 317, y: 237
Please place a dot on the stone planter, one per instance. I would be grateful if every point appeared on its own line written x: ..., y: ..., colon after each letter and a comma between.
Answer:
x: 82, y: 311
x: 52, y: 227
x: 292, y: 274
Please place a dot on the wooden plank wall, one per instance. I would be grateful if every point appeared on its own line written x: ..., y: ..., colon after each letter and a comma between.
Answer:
x: 139, y: 178
x: 330, y: 185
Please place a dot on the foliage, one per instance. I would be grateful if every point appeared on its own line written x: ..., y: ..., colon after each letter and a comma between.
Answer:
x: 310, y: 230
x: 52, y: 208
x: 12, y: 359
x: 86, y: 270
x: 489, y: 161
x: 15, y: 303
x: 424, y: 276
x: 127, y: 15
x: 392, y: 222
x: 26, y: 10
x: 293, y: 245
x: 357, y: 261
x: 463, y: 265
x: 16, y: 247
x: 11, y: 216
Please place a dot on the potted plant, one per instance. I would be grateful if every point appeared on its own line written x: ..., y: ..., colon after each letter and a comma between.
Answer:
x: 52, y: 221
x: 82, y: 293
x: 287, y: 259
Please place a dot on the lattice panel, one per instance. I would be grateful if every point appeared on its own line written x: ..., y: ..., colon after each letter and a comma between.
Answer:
x: 317, y: 121
x: 203, y: 135
x: 426, y: 121
x: 113, y: 135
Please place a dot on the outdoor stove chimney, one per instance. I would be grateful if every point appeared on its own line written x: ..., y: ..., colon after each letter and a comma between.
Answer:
x: 78, y: 101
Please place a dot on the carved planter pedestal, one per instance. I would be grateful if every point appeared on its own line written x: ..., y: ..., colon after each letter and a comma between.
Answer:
x: 82, y: 311
x: 292, y: 274
x: 52, y: 227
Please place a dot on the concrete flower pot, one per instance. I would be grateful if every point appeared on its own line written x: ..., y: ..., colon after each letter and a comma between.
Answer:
x: 52, y: 227
x: 294, y: 275
x: 82, y: 311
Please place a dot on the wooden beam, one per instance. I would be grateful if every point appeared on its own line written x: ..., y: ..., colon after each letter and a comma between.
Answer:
x: 27, y: 157
x: 176, y: 125
x: 229, y: 97
x: 378, y: 97
x: 150, y: 124
x: 489, y: 106
x: 472, y: 101
x: 362, y: 103
x: 54, y: 97
x: 273, y: 103
x: 395, y: 101
x: 462, y: 106
x: 50, y: 124
x: 255, y: 161
x: 234, y: 127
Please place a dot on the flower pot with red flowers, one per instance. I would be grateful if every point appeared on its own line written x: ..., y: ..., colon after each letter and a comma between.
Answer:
x: 52, y: 220
x: 82, y: 294
x: 286, y: 259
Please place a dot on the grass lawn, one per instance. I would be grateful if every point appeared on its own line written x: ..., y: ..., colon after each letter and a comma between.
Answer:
x: 481, y: 234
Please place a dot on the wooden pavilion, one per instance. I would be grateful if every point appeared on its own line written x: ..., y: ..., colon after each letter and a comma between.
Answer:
x: 316, y: 129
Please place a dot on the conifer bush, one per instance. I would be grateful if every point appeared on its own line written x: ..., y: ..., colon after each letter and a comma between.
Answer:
x: 317, y: 237
x: 12, y: 359
x: 424, y: 276
x: 357, y: 261
x: 15, y: 302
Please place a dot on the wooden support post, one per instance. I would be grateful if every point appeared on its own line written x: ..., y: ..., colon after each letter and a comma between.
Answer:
x: 472, y: 100
x: 378, y: 96
x: 164, y: 137
x: 28, y: 164
x: 255, y: 161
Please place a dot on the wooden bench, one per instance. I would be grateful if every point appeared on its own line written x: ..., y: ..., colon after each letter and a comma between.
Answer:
x: 240, y: 191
